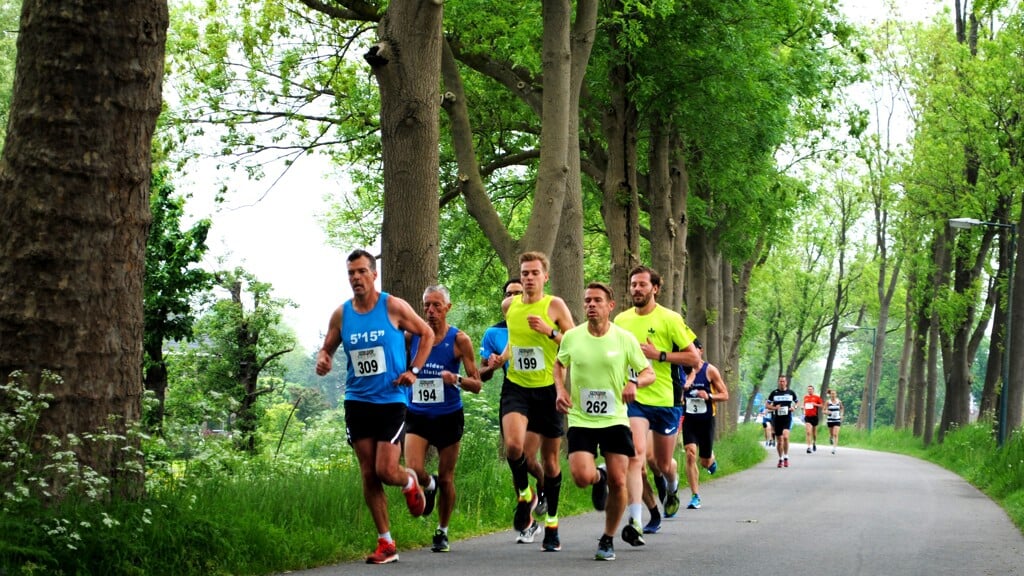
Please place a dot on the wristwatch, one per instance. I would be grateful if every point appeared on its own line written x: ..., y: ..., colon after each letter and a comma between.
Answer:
x: 415, y: 371
x: 554, y: 334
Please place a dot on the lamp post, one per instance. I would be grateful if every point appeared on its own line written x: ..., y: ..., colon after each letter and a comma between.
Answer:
x: 871, y: 375
x: 965, y: 223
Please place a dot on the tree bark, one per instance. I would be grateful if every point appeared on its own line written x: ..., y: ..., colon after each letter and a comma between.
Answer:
x: 406, y: 62
x: 74, y: 202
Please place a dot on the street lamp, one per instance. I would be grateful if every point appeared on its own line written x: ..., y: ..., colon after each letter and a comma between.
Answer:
x: 963, y: 224
x: 871, y: 375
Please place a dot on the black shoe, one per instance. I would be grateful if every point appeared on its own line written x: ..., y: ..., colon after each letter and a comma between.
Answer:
x: 440, y: 542
x: 661, y: 485
x: 542, y: 504
x: 605, y: 549
x: 431, y: 497
x: 599, y: 491
x: 524, y: 513
x: 631, y: 535
x: 551, y: 541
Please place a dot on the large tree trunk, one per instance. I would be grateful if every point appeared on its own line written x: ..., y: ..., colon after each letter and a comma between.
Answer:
x: 407, y: 64
x: 74, y: 207
x: 567, y: 258
x: 1014, y: 387
x: 666, y: 194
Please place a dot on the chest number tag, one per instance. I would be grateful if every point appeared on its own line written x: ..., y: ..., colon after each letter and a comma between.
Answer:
x: 369, y: 361
x: 696, y: 406
x: 428, y: 391
x: 598, y: 402
x: 528, y: 359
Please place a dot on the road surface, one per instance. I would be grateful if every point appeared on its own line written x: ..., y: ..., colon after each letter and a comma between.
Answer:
x: 856, y: 513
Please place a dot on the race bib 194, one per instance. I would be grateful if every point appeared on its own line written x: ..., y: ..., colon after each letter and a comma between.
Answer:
x: 428, y: 391
x: 782, y: 411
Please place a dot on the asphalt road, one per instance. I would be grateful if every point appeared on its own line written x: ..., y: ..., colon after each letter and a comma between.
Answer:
x: 854, y: 513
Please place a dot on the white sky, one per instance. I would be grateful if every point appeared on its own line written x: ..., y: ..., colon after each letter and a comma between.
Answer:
x: 275, y: 235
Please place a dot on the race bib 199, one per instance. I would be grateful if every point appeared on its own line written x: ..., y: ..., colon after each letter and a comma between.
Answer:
x: 528, y: 359
x: 368, y: 361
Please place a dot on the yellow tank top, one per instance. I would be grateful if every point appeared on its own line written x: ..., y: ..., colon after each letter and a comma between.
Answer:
x: 532, y: 354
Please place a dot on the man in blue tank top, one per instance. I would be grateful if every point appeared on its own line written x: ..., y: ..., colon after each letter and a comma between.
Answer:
x: 435, y: 415
x: 371, y: 328
x: 704, y: 386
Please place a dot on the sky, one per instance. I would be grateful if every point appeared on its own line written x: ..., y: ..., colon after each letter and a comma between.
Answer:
x: 273, y: 233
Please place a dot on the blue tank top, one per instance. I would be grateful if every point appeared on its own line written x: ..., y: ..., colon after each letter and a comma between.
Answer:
x: 429, y: 396
x: 699, y: 408
x: 375, y: 351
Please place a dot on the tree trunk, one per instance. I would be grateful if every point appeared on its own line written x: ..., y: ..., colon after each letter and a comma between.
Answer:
x: 567, y: 257
x: 407, y: 64
x: 1014, y: 387
x: 666, y: 195
x: 74, y: 203
x: 903, y: 394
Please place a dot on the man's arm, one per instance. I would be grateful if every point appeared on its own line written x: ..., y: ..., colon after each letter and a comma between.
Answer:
x: 325, y: 357
x: 464, y: 347
x: 407, y: 319
x: 718, y: 386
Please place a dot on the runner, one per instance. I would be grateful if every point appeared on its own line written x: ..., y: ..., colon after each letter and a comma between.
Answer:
x: 535, y: 325
x: 704, y: 386
x: 494, y: 341
x: 665, y: 340
x: 782, y: 401
x: 812, y: 405
x: 602, y: 358
x: 370, y: 328
x: 435, y: 416
x: 834, y: 411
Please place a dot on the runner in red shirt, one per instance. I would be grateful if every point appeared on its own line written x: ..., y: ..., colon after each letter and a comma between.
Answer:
x: 812, y: 406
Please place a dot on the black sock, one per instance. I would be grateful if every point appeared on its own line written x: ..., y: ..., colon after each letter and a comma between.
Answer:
x: 519, y: 473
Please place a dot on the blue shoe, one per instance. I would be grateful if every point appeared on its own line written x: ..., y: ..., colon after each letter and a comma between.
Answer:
x: 694, y: 502
x: 713, y: 468
x: 605, y: 549
x: 654, y: 525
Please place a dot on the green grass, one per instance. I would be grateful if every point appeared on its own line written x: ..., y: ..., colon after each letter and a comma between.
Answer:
x: 258, y: 517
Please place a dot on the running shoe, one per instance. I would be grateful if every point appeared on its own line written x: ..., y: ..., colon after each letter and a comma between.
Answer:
x: 808, y: 449
x: 524, y: 511
x: 551, y: 541
x: 671, y: 504
x: 833, y: 450
x: 605, y: 549
x: 631, y: 533
x: 815, y: 447
x: 430, y: 496
x: 713, y: 468
x: 599, y: 491
x: 661, y: 485
x: 785, y: 462
x: 414, y: 498
x: 654, y: 525
x: 694, y: 503
x: 526, y: 536
x: 440, y: 542
x: 780, y: 464
x: 542, y: 504
x: 385, y: 553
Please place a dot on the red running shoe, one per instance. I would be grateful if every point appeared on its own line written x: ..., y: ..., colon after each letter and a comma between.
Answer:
x: 785, y: 463
x: 414, y: 497
x: 386, y: 553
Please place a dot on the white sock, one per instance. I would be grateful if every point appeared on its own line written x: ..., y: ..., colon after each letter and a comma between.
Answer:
x: 636, y: 511
x: 432, y: 485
